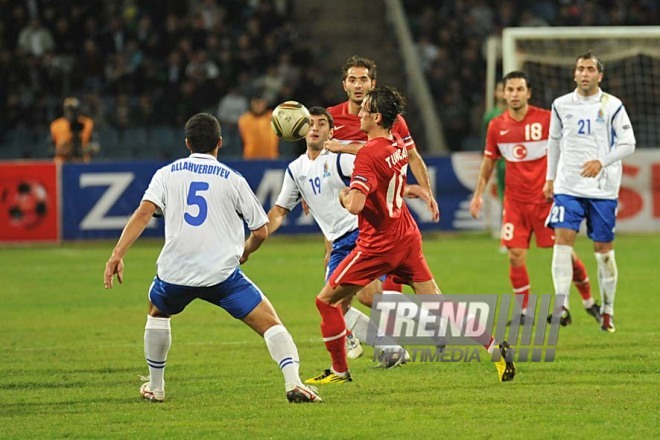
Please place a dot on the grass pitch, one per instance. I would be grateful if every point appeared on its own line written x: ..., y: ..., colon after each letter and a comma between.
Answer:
x: 72, y: 353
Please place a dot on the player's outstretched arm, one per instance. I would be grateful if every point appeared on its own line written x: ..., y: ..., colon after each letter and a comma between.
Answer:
x: 276, y: 216
x: 254, y: 241
x: 419, y: 170
x: 412, y: 191
x: 485, y: 171
x: 133, y: 229
x: 338, y: 147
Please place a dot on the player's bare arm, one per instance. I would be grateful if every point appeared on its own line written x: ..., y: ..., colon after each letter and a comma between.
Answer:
x: 419, y: 170
x: 549, y: 189
x: 133, y: 229
x: 254, y: 241
x: 591, y: 168
x: 412, y: 191
x: 276, y: 216
x: 352, y: 200
x: 338, y: 147
x: 328, y: 251
x: 485, y: 172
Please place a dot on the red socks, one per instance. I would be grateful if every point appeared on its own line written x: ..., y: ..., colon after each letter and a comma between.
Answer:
x: 333, y: 329
x: 520, y: 282
x: 581, y: 279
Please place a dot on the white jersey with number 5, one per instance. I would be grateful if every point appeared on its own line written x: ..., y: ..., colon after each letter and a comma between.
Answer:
x: 319, y: 182
x: 583, y: 129
x: 205, y: 204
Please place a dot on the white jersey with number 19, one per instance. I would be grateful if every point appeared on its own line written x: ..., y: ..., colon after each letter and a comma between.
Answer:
x: 319, y: 182
x: 205, y: 204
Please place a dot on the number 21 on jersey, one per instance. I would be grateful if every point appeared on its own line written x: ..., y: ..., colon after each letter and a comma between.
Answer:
x: 395, y: 191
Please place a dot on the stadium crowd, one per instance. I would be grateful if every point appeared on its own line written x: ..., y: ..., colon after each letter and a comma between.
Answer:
x: 142, y: 67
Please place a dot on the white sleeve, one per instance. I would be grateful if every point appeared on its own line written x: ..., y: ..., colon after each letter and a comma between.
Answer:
x: 156, y: 191
x: 554, y: 139
x: 290, y: 195
x: 248, y: 206
x: 624, y: 138
x: 345, y: 166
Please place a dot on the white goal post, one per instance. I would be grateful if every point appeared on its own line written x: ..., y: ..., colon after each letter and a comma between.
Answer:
x: 631, y: 55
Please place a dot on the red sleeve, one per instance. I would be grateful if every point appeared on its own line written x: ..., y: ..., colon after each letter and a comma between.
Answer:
x: 491, y: 150
x: 400, y: 127
x: 364, y: 177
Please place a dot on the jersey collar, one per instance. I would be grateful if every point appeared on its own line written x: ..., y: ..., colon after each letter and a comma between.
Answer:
x: 592, y: 98
x: 202, y: 156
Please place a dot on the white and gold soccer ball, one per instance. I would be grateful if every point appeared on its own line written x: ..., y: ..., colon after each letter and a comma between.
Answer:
x: 290, y: 121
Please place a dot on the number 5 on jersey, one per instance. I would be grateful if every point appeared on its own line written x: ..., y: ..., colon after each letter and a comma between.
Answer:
x: 195, y: 199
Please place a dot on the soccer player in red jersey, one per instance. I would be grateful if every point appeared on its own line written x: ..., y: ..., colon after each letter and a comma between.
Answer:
x: 359, y: 77
x: 520, y: 136
x: 389, y: 241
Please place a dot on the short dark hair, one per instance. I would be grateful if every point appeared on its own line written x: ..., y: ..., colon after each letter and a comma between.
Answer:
x: 358, y: 61
x: 320, y: 111
x: 388, y: 102
x: 591, y: 55
x: 517, y: 74
x: 203, y: 133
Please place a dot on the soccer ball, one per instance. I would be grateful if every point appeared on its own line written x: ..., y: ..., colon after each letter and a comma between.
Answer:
x: 290, y: 121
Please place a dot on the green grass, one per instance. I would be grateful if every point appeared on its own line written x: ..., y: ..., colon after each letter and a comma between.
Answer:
x: 71, y: 354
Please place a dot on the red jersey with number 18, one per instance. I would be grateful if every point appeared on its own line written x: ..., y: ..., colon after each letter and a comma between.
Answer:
x: 347, y: 127
x: 380, y: 174
x: 524, y: 145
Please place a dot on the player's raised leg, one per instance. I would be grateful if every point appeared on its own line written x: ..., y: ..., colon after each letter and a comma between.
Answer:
x: 506, y: 369
x: 362, y: 328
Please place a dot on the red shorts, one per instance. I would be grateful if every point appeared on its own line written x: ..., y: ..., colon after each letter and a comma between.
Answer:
x: 519, y: 220
x: 405, y: 264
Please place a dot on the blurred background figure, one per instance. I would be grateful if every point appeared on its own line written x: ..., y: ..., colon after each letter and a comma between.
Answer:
x: 230, y: 108
x: 71, y: 134
x: 498, y: 108
x: 259, y: 139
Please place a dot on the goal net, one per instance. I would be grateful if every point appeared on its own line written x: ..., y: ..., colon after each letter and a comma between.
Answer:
x: 631, y: 56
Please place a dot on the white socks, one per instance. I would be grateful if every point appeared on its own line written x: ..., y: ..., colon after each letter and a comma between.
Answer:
x: 357, y: 322
x: 607, y: 279
x: 157, y: 341
x: 283, y: 351
x: 562, y: 270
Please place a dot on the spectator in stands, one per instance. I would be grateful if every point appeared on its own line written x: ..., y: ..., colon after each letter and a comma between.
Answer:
x: 71, y: 134
x: 230, y: 108
x: 259, y: 139
x: 35, y: 39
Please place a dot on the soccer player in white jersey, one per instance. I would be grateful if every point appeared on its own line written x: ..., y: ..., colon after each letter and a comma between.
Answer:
x: 520, y: 136
x: 590, y: 132
x: 205, y: 204
x: 317, y: 177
